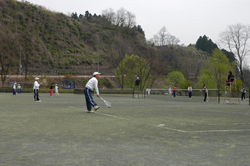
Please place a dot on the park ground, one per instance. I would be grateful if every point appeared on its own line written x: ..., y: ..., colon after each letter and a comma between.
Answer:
x: 158, y: 130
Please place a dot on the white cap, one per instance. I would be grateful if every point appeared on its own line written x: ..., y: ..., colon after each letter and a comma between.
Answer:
x: 36, y: 78
x: 96, y: 73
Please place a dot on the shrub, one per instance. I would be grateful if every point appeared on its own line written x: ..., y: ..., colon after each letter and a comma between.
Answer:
x: 106, y: 82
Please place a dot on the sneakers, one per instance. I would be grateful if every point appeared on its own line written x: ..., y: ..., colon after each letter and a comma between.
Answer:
x: 38, y: 101
x: 96, y: 107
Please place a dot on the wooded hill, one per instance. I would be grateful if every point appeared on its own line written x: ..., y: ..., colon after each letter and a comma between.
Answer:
x: 54, y: 43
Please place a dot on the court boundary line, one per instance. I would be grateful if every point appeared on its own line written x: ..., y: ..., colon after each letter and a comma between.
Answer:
x: 199, y: 131
x: 113, y: 116
x: 172, y: 129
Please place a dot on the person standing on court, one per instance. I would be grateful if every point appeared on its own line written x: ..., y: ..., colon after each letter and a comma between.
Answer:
x: 243, y: 93
x: 51, y: 90
x: 56, y: 90
x: 36, y: 89
x: 190, y: 91
x: 170, y: 91
x: 14, y: 89
x: 205, y: 91
x: 174, y: 91
x: 19, y: 88
x: 90, y: 86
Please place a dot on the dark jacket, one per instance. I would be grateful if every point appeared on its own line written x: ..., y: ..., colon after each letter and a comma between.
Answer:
x: 230, y: 78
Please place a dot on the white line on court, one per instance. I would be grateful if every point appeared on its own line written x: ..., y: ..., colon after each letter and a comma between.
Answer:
x: 201, y: 131
x: 111, y: 116
x: 163, y: 126
x: 101, y: 113
x: 213, y: 131
x: 216, y: 124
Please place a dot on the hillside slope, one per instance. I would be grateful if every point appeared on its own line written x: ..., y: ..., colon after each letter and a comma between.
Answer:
x: 53, y: 43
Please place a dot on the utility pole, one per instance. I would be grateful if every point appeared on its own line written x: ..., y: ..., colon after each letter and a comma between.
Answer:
x: 98, y: 61
x: 20, y: 65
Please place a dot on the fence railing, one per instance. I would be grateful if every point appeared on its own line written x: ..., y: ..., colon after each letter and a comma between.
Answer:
x: 108, y: 91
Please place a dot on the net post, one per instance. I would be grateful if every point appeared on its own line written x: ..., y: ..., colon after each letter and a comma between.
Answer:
x: 218, y: 96
x: 249, y: 96
x: 133, y: 93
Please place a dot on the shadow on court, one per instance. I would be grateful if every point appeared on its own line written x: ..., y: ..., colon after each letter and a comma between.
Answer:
x: 159, y: 130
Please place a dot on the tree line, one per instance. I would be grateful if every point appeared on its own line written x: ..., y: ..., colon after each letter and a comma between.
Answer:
x: 58, y: 41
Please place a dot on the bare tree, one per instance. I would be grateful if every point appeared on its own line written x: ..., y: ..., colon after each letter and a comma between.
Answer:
x: 120, y: 17
x: 109, y: 14
x: 163, y: 38
x: 8, y: 52
x: 172, y: 40
x: 163, y: 34
x: 236, y: 37
x: 130, y: 19
x: 155, y: 40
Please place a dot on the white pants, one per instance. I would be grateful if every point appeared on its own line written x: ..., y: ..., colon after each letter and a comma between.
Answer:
x: 56, y: 91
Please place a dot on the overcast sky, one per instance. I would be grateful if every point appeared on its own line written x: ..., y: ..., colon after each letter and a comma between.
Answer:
x: 185, y: 19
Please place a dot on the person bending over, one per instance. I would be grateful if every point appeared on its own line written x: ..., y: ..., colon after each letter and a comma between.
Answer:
x: 90, y: 86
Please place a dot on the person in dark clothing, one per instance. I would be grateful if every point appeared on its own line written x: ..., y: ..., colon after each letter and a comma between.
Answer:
x: 205, y: 91
x: 137, y: 81
x: 230, y: 78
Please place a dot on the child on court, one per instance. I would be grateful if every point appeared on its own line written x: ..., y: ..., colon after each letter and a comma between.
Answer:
x: 19, y: 88
x: 90, y: 86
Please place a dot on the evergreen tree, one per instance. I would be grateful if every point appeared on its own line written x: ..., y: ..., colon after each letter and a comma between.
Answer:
x: 139, y: 29
x: 88, y: 15
x: 205, y: 44
x: 74, y: 16
x: 80, y: 17
x: 229, y: 55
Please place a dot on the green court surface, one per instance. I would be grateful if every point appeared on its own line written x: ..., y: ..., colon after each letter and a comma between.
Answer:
x: 156, y: 131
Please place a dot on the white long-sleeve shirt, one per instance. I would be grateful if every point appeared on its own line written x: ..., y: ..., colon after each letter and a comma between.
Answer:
x: 14, y: 86
x: 189, y: 88
x: 56, y: 88
x: 36, y: 85
x: 93, y: 83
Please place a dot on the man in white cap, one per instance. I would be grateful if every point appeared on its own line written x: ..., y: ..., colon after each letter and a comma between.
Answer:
x: 90, y: 86
x: 36, y: 89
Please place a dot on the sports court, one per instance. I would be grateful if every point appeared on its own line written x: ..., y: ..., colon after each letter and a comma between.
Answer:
x: 158, y: 130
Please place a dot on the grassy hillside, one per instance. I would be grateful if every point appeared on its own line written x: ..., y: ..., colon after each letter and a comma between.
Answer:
x: 60, y: 41
x: 55, y: 43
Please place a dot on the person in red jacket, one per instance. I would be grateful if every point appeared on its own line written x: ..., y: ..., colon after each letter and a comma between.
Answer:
x: 174, y: 91
x: 51, y: 90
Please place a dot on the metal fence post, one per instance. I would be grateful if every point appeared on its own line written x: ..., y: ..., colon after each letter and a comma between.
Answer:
x: 218, y: 96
